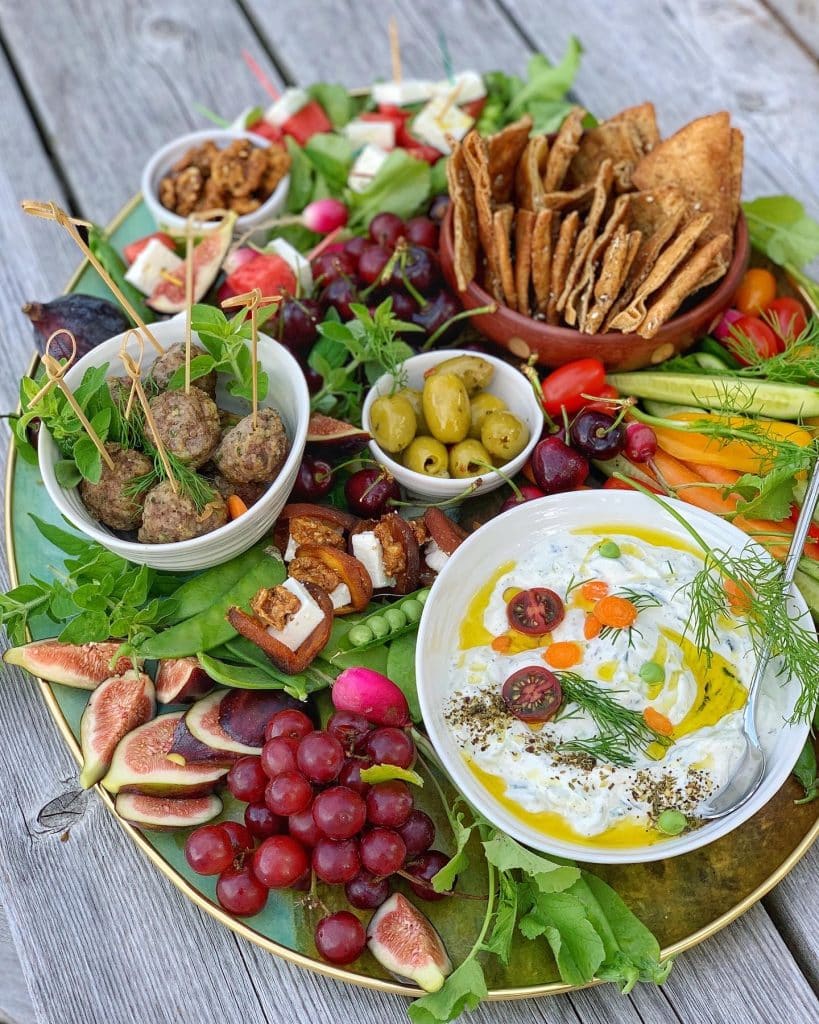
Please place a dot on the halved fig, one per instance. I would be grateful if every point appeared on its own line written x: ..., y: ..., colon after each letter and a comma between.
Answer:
x: 347, y: 569
x: 335, y: 437
x: 179, y: 680
x: 280, y: 654
x: 403, y: 940
x: 244, y: 714
x: 187, y: 749
x: 140, y: 764
x: 203, y: 722
x: 165, y: 813
x: 82, y: 665
x: 170, y: 295
x: 115, y: 708
x: 446, y: 534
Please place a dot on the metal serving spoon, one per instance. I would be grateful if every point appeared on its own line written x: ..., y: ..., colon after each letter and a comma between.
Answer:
x: 751, y: 769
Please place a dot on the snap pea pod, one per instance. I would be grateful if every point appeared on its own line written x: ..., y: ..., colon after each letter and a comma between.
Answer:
x: 243, y: 677
x: 386, y: 624
x: 199, y: 593
x: 209, y: 628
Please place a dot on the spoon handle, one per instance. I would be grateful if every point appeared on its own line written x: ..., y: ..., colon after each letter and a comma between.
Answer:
x: 800, y: 532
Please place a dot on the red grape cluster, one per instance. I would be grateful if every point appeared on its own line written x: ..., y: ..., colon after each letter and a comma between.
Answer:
x: 312, y: 814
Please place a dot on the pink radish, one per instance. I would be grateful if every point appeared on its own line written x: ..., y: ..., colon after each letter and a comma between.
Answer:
x: 325, y: 215
x: 723, y: 328
x: 372, y: 695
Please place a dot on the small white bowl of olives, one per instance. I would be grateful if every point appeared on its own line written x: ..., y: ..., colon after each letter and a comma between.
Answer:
x: 448, y: 418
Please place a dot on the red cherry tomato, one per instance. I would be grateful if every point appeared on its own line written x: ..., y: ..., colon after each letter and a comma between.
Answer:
x: 758, y: 333
x: 266, y: 130
x: 133, y: 249
x: 564, y: 387
x: 756, y: 289
x: 606, y: 392
x: 307, y: 122
x: 266, y: 272
x: 813, y: 529
x: 786, y: 316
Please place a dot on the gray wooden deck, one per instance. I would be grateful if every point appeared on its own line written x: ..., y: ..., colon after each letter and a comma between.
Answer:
x: 90, y: 933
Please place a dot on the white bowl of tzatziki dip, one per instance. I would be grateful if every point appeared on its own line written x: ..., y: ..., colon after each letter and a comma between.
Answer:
x: 611, y: 762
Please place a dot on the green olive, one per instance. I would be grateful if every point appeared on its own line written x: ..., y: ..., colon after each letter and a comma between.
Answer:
x: 415, y: 400
x: 475, y: 372
x: 392, y: 422
x: 446, y: 407
x: 428, y: 456
x: 468, y: 458
x: 504, y: 435
x: 481, y: 405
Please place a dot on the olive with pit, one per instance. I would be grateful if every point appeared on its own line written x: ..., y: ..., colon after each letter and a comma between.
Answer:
x: 392, y: 422
x: 415, y: 400
x: 446, y: 407
x: 428, y: 456
x: 468, y: 458
x: 481, y: 406
x: 476, y: 373
x: 503, y: 435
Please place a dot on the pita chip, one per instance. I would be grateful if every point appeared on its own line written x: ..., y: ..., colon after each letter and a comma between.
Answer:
x: 585, y: 238
x: 464, y: 218
x: 644, y: 120
x: 617, y: 141
x: 580, y: 296
x: 504, y: 150
x: 529, y: 174
x: 563, y: 149
x: 737, y: 161
x: 477, y: 162
x: 542, y: 248
x: 576, y: 199
x: 560, y: 262
x: 617, y: 259
x: 502, y: 224
x: 524, y: 231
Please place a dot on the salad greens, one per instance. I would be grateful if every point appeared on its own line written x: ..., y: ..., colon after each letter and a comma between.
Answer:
x: 111, y: 260
x: 779, y: 227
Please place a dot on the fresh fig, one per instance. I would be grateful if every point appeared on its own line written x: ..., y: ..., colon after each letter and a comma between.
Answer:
x: 115, y: 708
x: 179, y: 680
x: 169, y: 296
x: 335, y: 437
x: 403, y: 940
x: 202, y: 719
x: 244, y: 714
x: 140, y: 764
x: 165, y: 813
x: 186, y: 749
x: 90, y: 319
x: 82, y: 665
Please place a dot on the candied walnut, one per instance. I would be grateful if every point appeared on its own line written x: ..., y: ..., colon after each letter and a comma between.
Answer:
x: 275, y: 606
x: 189, y: 186
x: 395, y: 557
x: 278, y: 164
x: 304, y: 530
x: 198, y: 156
x: 309, y: 569
x: 239, y: 168
x: 213, y: 198
x: 167, y: 192
x: 242, y: 206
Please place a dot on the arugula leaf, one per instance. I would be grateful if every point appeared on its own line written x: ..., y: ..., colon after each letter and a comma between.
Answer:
x: 561, y: 919
x: 548, y: 875
x: 779, y: 226
x: 503, y: 927
x: 461, y: 992
x: 401, y: 186
x: 459, y: 861
x: 805, y: 771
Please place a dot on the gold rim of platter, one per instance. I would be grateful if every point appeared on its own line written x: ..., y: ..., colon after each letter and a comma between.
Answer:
x: 301, y: 959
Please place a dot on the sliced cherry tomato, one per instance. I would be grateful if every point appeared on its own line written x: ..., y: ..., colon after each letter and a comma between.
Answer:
x: 564, y: 387
x: 307, y: 122
x: 813, y: 529
x: 756, y: 290
x: 475, y: 107
x: 759, y: 334
x: 266, y: 130
x: 532, y: 694
x: 786, y: 316
x: 133, y: 249
x: 535, y: 611
x: 265, y: 271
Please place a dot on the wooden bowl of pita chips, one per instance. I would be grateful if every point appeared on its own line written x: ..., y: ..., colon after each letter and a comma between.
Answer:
x: 605, y: 242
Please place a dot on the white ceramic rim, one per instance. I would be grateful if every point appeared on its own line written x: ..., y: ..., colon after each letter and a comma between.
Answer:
x: 160, y: 163
x: 448, y: 487
x: 641, y: 510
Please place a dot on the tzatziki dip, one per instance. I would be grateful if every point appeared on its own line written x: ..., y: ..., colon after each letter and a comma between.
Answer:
x: 578, y: 698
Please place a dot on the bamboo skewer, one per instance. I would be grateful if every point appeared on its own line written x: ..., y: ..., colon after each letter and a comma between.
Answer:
x: 253, y: 301
x: 395, y: 50
x: 133, y: 369
x: 50, y: 211
x: 188, y: 301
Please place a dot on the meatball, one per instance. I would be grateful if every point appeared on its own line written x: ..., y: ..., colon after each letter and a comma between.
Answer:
x: 249, y: 493
x: 249, y: 454
x: 109, y: 500
x: 169, y: 517
x: 188, y: 424
x: 169, y: 362
x: 120, y: 390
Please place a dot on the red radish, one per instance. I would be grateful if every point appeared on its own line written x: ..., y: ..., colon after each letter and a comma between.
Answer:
x: 641, y: 442
x: 723, y: 328
x: 372, y: 695
x: 133, y: 249
x: 325, y: 215
x: 237, y: 258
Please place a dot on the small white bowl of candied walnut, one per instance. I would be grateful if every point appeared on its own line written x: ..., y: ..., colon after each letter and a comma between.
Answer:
x: 217, y: 169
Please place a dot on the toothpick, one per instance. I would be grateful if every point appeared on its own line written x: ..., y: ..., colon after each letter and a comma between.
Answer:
x: 50, y: 211
x: 395, y: 50
x: 188, y: 301
x: 55, y: 373
x: 132, y: 368
x: 260, y: 76
x: 253, y: 301
x: 453, y: 95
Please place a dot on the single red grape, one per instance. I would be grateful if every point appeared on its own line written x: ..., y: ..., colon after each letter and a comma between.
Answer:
x: 389, y: 803
x: 339, y: 812
x: 246, y: 780
x: 418, y: 833
x: 340, y: 937
x: 348, y: 728
x: 240, y: 892
x: 209, y: 850
x: 382, y: 851
x: 279, y: 755
x: 240, y: 836
x: 336, y: 862
x: 320, y: 757
x: 350, y: 774
x: 391, y: 746
x: 290, y: 722
x: 262, y: 822
x: 279, y: 861
x: 367, y: 891
x: 302, y: 826
x: 288, y: 793
x: 425, y: 867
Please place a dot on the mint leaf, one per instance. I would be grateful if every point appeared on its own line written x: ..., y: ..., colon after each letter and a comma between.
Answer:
x: 67, y: 473
x: 462, y: 991
x: 779, y: 226
x: 88, y: 459
x: 548, y: 875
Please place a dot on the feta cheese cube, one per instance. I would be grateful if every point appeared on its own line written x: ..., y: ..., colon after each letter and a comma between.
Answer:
x: 403, y: 93
x: 297, y: 263
x: 470, y: 86
x: 366, y: 166
x: 305, y: 620
x: 146, y: 271
x: 367, y: 549
x: 379, y: 133
x: 341, y: 596
x: 290, y: 552
x: 435, y: 558
x: 289, y: 103
x: 437, y: 121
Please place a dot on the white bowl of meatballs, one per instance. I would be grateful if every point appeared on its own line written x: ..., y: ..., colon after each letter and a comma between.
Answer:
x: 213, y: 434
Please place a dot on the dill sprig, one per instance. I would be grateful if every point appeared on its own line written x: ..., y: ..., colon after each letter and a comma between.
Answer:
x: 191, y: 484
x: 641, y: 600
x: 798, y: 363
x: 602, y: 748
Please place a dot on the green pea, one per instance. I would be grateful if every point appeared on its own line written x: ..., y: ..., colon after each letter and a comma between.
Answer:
x: 671, y: 822
x: 651, y: 672
x: 396, y: 618
x: 608, y: 549
x: 412, y: 609
x: 360, y: 635
x: 379, y: 625
x: 422, y: 595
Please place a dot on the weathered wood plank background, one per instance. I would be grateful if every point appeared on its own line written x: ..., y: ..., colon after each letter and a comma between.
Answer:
x: 89, y: 932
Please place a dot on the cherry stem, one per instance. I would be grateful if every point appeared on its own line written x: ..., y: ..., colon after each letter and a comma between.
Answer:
x: 463, y: 315
x: 456, y: 500
x: 530, y: 373
x: 504, y: 476
x: 424, y: 884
